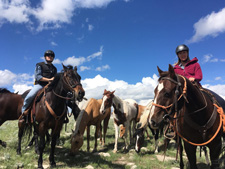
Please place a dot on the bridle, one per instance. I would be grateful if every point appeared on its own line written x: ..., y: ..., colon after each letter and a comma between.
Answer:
x: 176, y: 99
x: 70, y: 88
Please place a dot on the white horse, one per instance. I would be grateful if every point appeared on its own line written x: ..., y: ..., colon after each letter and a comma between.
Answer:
x: 125, y: 113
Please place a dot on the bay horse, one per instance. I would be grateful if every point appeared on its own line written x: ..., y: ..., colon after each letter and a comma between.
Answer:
x: 191, y: 111
x: 90, y: 115
x: 125, y: 113
x: 50, y: 111
x: 9, y: 111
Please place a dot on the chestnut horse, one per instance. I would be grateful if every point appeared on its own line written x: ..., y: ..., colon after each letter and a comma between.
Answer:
x: 125, y: 113
x: 191, y: 111
x: 90, y: 115
x: 51, y: 110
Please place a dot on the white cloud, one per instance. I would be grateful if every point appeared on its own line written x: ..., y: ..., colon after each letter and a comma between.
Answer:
x: 209, y: 58
x: 102, y: 68
x: 83, y: 68
x: 210, y: 25
x: 97, y: 54
x: 219, y: 89
x: 218, y: 78
x: 54, y: 44
x: 21, y: 88
x: 16, y: 11
x: 7, y: 77
x: 92, y: 3
x: 50, y: 14
x: 142, y: 92
x: 74, y: 61
x: 90, y: 27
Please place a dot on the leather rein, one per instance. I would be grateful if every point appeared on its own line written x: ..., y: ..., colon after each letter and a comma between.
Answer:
x: 70, y: 87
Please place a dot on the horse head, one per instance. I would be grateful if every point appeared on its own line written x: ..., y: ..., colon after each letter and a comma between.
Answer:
x: 139, y: 135
x: 165, y: 93
x: 72, y: 80
x: 106, y: 100
x: 76, y: 142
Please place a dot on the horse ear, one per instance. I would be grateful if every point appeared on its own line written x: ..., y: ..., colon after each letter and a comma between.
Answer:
x: 171, y: 70
x: 64, y: 67
x: 75, y: 68
x: 159, y: 70
x: 113, y: 92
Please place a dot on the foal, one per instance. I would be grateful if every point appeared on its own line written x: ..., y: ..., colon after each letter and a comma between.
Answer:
x: 125, y: 113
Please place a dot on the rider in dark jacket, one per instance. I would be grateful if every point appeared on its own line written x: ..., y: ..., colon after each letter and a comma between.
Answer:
x: 44, y: 73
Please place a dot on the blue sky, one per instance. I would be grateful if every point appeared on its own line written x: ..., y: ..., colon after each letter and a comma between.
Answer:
x: 116, y: 44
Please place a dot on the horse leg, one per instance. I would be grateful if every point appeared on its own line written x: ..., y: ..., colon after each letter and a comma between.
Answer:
x: 105, y: 125
x: 133, y: 131
x: 96, y: 137
x: 180, y: 149
x: 21, y: 126
x: 36, y: 139
x: 206, y: 155
x: 88, y: 138
x: 125, y: 138
x: 215, y: 150
x: 116, y: 137
x: 41, y: 150
x: 156, y: 137
x: 191, y: 154
x: 101, y: 142
x: 51, y: 156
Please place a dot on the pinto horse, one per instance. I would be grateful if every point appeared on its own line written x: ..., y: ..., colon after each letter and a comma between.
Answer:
x: 192, y: 113
x: 90, y: 115
x: 125, y: 113
x: 50, y: 110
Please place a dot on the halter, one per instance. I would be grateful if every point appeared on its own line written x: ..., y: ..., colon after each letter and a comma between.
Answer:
x: 184, y: 91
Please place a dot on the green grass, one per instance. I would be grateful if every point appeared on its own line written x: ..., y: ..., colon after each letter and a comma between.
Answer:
x: 121, y: 160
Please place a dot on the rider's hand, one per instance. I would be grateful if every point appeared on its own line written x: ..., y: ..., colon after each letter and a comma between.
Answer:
x: 192, y: 79
x: 51, y: 79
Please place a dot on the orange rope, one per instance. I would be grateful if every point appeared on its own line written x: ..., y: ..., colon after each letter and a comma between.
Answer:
x: 202, y: 144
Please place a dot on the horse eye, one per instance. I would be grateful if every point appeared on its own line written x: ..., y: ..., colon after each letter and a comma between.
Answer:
x: 76, y: 142
x: 167, y: 94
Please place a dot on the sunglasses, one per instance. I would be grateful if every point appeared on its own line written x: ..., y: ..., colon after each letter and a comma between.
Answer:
x: 50, y: 55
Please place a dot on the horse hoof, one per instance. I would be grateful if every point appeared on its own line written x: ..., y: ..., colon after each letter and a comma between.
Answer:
x: 114, y: 151
x: 4, y: 144
x: 53, y: 165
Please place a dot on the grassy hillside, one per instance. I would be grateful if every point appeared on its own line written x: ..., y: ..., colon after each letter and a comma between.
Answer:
x: 104, y: 158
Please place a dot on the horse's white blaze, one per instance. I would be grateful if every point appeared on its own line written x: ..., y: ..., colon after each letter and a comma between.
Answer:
x: 102, y: 108
x: 136, y: 145
x: 159, y: 88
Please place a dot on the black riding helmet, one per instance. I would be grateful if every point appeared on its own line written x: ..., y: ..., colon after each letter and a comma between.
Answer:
x: 182, y: 48
x: 49, y: 52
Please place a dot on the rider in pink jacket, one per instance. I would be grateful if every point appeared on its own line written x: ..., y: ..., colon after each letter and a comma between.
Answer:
x: 186, y: 67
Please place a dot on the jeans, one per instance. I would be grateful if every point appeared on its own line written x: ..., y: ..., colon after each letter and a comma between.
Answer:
x: 30, y: 96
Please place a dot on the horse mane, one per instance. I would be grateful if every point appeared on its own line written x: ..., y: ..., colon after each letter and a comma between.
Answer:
x: 4, y: 90
x: 145, y: 116
x: 78, y: 121
x: 54, y: 82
